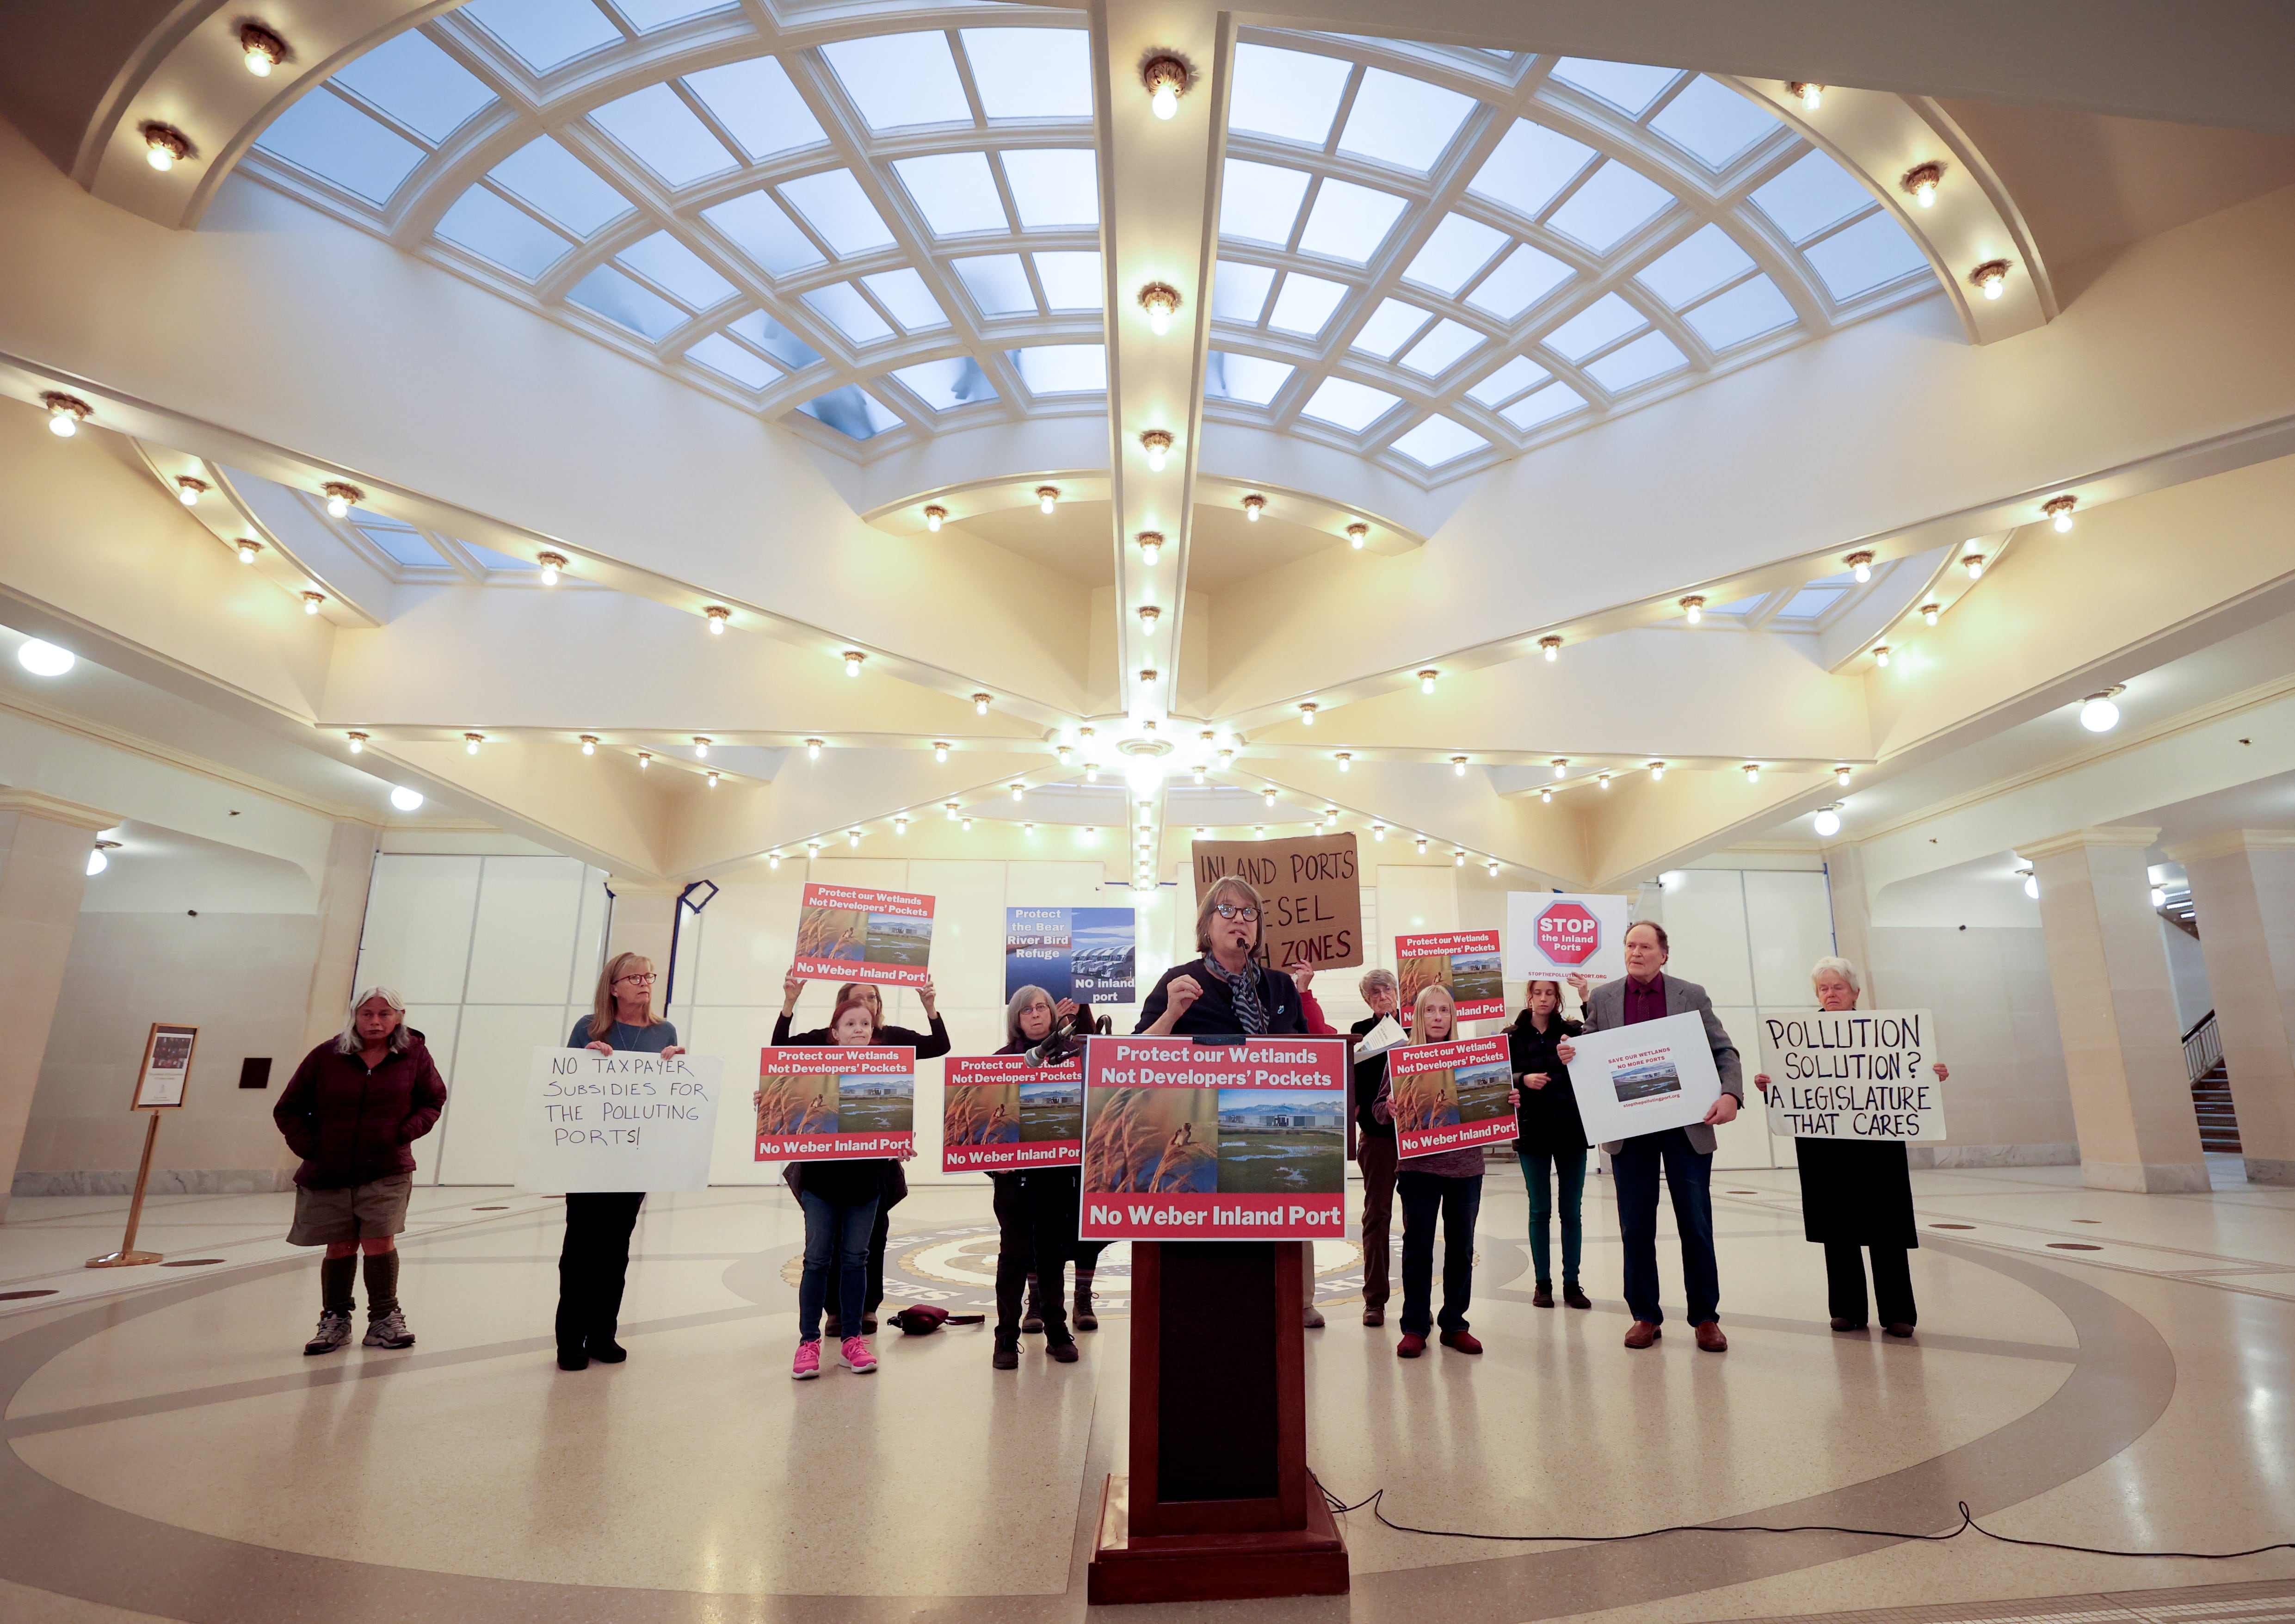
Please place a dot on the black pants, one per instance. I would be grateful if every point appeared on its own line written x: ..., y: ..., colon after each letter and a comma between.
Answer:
x: 1427, y: 1197
x: 1016, y: 1248
x: 593, y: 1264
x: 1892, y: 1283
x: 877, y: 1238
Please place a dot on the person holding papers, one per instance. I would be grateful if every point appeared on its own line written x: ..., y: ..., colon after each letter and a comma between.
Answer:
x: 1856, y: 1194
x: 1374, y: 1145
x: 1036, y: 1217
x: 1446, y: 1184
x: 1552, y: 1136
x: 1647, y: 993
x: 593, y: 1261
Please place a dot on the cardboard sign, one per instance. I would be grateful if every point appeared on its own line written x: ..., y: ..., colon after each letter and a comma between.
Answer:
x: 1214, y: 1141
x: 1083, y: 953
x: 1644, y: 1078
x: 836, y: 1103
x: 167, y: 1067
x: 1000, y: 1114
x: 846, y: 933
x: 1449, y: 1095
x: 1465, y: 961
x: 621, y: 1121
x: 1313, y: 888
x: 1851, y: 1075
x: 1554, y: 935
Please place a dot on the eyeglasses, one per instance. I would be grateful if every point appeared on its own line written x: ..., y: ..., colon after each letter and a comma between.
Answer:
x: 649, y: 978
x: 1228, y: 910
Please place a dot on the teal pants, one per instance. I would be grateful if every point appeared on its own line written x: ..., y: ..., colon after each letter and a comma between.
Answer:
x: 1568, y: 1168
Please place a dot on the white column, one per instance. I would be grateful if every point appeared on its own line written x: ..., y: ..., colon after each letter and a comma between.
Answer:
x: 2243, y: 894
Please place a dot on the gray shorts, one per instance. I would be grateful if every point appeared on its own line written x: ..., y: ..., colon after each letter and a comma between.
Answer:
x: 359, y: 1212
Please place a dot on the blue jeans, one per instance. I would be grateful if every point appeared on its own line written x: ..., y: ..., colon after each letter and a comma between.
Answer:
x: 1457, y: 1201
x: 1569, y: 1168
x: 841, y: 1234
x: 1689, y: 1180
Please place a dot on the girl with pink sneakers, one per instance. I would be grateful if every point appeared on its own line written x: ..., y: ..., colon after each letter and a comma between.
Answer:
x: 840, y: 1200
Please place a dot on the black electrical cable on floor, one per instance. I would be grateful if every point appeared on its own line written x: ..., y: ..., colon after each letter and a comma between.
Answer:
x: 1968, y: 1524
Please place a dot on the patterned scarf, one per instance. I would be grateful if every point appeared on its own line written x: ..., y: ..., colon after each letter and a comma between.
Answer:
x: 1250, y: 1013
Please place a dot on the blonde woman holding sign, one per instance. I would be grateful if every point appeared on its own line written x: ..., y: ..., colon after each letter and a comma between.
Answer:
x: 1448, y: 1185
x: 1855, y: 1197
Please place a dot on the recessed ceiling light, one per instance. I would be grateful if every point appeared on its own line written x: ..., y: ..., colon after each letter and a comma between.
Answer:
x: 45, y: 659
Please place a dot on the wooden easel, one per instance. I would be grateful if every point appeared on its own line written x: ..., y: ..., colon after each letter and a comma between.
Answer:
x: 159, y: 1085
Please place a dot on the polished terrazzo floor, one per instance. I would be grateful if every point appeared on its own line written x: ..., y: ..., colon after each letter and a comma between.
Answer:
x: 2093, y: 1367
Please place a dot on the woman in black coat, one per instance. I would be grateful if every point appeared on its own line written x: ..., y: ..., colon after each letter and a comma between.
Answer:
x: 1551, y: 1138
x: 1857, y: 1195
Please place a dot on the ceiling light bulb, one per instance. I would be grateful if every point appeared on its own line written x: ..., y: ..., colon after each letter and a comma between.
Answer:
x: 1259, y: 831
x: 1147, y: 680
x: 1812, y: 96
x: 1018, y: 790
x: 940, y: 750
x: 2032, y: 886
x: 1930, y: 611
x: 165, y: 146
x: 1199, y: 772
x: 2098, y: 713
x: 1603, y: 779
x: 589, y: 743
x: 1358, y: 534
x: 1561, y: 764
x: 2159, y: 897
x: 1881, y: 654
x: 341, y: 498
x: 1027, y: 828
x: 1860, y: 566
x: 700, y: 747
x: 1491, y: 868
x: 773, y: 860
x: 1148, y: 617
x: 404, y: 799
x: 851, y: 835
x: 1268, y: 795
x: 1547, y: 795
x: 97, y: 862
x: 1065, y: 752
x: 645, y: 760
x: 718, y: 614
x: 813, y: 749
x: 66, y: 414
x: 968, y: 826
x: 1458, y: 858
x: 713, y: 778
x: 1827, y: 823
x: 1159, y: 300
x: 1151, y: 546
x: 1307, y: 715
x: 950, y: 808
x: 312, y: 600
x: 247, y: 548
x: 1991, y: 276
x: 1552, y: 648
x: 1692, y: 609
x: 1458, y: 766
x: 358, y: 743
x: 1226, y: 758
x: 1253, y: 506
x: 2059, y: 508
x: 1921, y: 181
x: 1426, y: 680
x: 1657, y: 773
x: 1091, y: 772
x: 264, y: 50
x: 1421, y: 844
x: 852, y: 658
x: 1158, y: 445
x: 189, y: 490
x: 1165, y: 75
x: 1752, y: 773
x: 1840, y: 775
x: 1973, y: 564
x: 471, y: 741
x: 934, y: 516
x: 1378, y: 831
x: 1047, y: 497
x: 980, y: 705
x: 552, y: 564
x: 1345, y: 761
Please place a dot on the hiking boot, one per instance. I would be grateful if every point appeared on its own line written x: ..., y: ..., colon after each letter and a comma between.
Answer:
x: 1063, y: 1348
x: 1542, y: 1295
x: 1574, y: 1295
x: 806, y: 1365
x: 390, y: 1332
x: 1084, y: 1319
x: 1374, y: 1315
x: 1033, y: 1321
x: 573, y: 1359
x: 1007, y: 1356
x: 604, y: 1350
x: 334, y: 1332
x: 854, y: 1351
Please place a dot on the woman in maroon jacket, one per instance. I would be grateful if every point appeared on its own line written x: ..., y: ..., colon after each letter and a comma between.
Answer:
x: 351, y: 1111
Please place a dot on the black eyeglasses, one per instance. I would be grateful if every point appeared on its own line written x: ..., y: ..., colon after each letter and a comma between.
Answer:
x: 1229, y: 911
x: 649, y: 976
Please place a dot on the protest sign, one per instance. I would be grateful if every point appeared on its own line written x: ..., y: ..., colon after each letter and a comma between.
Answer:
x: 621, y: 1121
x: 1554, y: 935
x: 844, y: 933
x: 1312, y: 891
x: 1449, y: 1095
x: 1644, y: 1078
x: 1465, y: 961
x: 1214, y: 1141
x: 1851, y: 1075
x: 1000, y: 1113
x: 1082, y: 953
x: 835, y: 1103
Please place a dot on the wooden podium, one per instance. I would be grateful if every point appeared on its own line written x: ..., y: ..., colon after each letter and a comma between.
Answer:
x: 1220, y: 1505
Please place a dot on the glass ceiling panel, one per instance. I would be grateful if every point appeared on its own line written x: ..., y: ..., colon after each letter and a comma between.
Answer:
x: 998, y: 283
x: 852, y: 412
x: 762, y: 230
x: 1457, y: 249
x: 737, y: 362
x: 1523, y: 278
x: 1350, y: 222
x: 1869, y: 255
x: 756, y: 101
x: 1509, y: 381
x: 615, y: 296
x: 1239, y: 290
x: 1555, y: 400
x: 1292, y: 95
x: 899, y: 81
x: 545, y: 33
x: 1031, y: 73
x: 482, y: 221
x: 1700, y: 263
x: 903, y: 292
x: 1712, y: 123
x: 327, y: 137
x: 1624, y: 85
x: 1530, y: 167
x: 1613, y: 201
x: 564, y: 188
x: 1252, y: 380
x: 1390, y: 326
x: 776, y: 340
x: 955, y: 192
x: 1440, y: 350
x: 1062, y: 369
x: 842, y: 305
x: 401, y: 542
x: 1305, y: 304
x: 1747, y: 311
x: 1053, y: 186
x: 1402, y: 121
x: 417, y: 84
x: 1815, y: 193
x: 647, y: 15
x: 1808, y: 604
x: 946, y: 384
x: 676, y: 270
x: 835, y: 207
x: 486, y: 558
x: 1070, y: 278
x: 1608, y: 318
x: 1258, y: 202
x: 1439, y: 440
x: 1350, y: 406
x: 1650, y: 355
x: 661, y: 132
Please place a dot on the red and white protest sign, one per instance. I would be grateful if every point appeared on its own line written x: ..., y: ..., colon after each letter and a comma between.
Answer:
x: 844, y: 933
x: 1214, y: 1141
x: 1000, y: 1114
x: 835, y: 1103
x: 1465, y: 961
x: 1449, y: 1095
x: 1551, y: 935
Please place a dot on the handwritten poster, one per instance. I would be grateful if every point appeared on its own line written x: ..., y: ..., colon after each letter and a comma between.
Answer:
x: 1852, y: 1074
x: 1644, y: 1078
x: 620, y: 1121
x: 1312, y: 888
x: 1554, y: 935
x: 835, y: 1103
x: 847, y: 934
x: 1000, y: 1113
x: 1449, y: 1095
x: 1214, y: 1141
x: 1083, y: 953
x: 1466, y: 961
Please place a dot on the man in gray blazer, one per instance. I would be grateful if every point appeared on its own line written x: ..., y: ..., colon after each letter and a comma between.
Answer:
x: 1647, y: 993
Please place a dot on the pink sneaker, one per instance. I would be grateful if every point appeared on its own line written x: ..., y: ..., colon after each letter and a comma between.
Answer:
x: 856, y: 1354
x: 807, y: 1363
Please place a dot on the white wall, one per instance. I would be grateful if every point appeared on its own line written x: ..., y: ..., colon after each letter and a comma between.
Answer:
x: 2187, y: 972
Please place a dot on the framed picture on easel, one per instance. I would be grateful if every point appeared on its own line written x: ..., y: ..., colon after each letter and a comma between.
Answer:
x: 167, y: 1066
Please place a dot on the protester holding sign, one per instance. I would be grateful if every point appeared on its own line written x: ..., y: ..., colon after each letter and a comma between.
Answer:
x: 1551, y: 1136
x: 593, y: 1259
x: 1036, y: 1216
x: 1857, y: 1195
x: 1374, y: 1146
x: 1448, y: 1184
x: 1647, y: 993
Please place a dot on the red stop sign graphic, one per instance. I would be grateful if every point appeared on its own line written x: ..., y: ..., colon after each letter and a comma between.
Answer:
x: 1568, y: 933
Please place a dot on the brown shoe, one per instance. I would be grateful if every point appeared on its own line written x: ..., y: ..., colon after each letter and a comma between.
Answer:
x: 1542, y: 1297
x: 1314, y: 1319
x: 1642, y: 1334
x: 1899, y: 1330
x: 1574, y: 1297
x: 1848, y: 1324
x: 1710, y: 1339
x: 1375, y: 1317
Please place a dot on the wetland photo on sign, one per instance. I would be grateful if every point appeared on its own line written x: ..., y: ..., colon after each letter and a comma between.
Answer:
x: 1637, y: 1084
x: 1474, y: 978
x: 898, y: 939
x: 1144, y: 1140
x: 876, y: 1103
x: 1481, y: 1090
x: 1051, y: 1110
x: 983, y: 1113
x: 798, y: 1104
x: 1280, y: 1141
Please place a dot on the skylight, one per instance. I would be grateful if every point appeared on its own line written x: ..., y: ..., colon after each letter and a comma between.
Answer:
x: 1700, y: 264
x: 904, y: 293
x: 1352, y: 407
x: 1401, y: 121
x: 401, y: 543
x: 1291, y: 95
x: 764, y: 231
x: 1239, y: 290
x: 900, y: 81
x: 545, y: 33
x: 1390, y: 326
x: 852, y: 412
x: 1305, y: 304
x: 1625, y: 86
x: 663, y: 133
x: 1031, y: 73
x: 1747, y: 311
x: 615, y: 296
x: 560, y: 185
x: 1509, y: 381
x: 1650, y: 355
x: 757, y: 102
x: 1459, y: 248
x: 1070, y: 280
x: 954, y: 191
x: 1815, y: 193
x: 1439, y: 440
x: 1612, y: 202
x: 1530, y: 167
x: 834, y: 205
x: 325, y: 135
x: 1441, y: 349
x: 1053, y: 186
x: 1555, y: 400
x: 676, y: 270
x: 842, y: 305
x: 775, y: 339
x: 1712, y: 123
x: 1867, y: 255
x: 998, y: 283
x: 412, y: 81
x: 946, y: 384
x: 1258, y: 202
x: 1350, y: 222
x: 1522, y: 279
x: 1252, y: 380
x: 1062, y: 369
x: 493, y: 229
x: 1808, y: 604
x: 737, y: 362
x: 1610, y: 317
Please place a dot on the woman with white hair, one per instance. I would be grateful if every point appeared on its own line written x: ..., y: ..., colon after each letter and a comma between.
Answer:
x: 351, y: 1111
x: 1374, y: 1146
x: 1857, y: 1196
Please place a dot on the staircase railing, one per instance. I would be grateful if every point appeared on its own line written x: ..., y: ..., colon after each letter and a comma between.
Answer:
x: 2202, y: 1048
